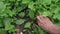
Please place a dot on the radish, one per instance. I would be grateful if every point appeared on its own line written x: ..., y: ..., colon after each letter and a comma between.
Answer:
x: 19, y: 31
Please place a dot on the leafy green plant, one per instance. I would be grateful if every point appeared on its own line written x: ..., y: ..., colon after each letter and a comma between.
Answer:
x: 20, y: 12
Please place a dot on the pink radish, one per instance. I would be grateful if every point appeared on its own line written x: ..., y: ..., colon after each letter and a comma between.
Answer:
x: 19, y: 31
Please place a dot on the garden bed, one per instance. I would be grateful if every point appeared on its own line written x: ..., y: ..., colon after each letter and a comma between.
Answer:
x: 22, y: 14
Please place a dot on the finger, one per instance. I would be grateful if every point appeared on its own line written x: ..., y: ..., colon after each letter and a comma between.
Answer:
x: 40, y: 24
x: 39, y: 18
x: 45, y: 19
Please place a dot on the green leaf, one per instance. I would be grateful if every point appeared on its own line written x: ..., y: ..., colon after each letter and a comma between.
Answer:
x: 2, y: 31
x: 1, y: 23
x: 18, y: 0
x: 8, y: 25
x: 39, y: 30
x: 31, y: 6
x: 20, y: 21
x: 47, y: 13
x: 31, y: 14
x: 21, y: 7
x: 9, y: 12
x: 44, y: 2
x: 2, y: 6
x: 12, y: 0
x: 27, y: 25
x: 57, y: 16
x: 25, y: 1
x: 7, y: 20
x: 22, y: 14
x: 47, y: 2
x: 54, y: 9
x: 58, y: 23
x: 55, y: 0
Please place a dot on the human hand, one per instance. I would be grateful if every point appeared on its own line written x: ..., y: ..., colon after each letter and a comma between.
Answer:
x: 47, y: 25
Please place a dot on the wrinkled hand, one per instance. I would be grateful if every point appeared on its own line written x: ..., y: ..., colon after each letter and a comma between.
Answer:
x: 47, y: 25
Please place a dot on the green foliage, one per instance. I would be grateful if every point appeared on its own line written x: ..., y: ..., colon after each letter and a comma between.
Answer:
x: 19, y: 11
x: 57, y: 16
x: 27, y: 25
x: 20, y: 21
x: 25, y: 1
x: 22, y: 14
x: 2, y: 31
x: 31, y: 14
x: 2, y: 6
x: 38, y: 30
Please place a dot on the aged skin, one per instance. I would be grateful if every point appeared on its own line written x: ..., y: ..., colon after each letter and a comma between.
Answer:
x: 47, y: 25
